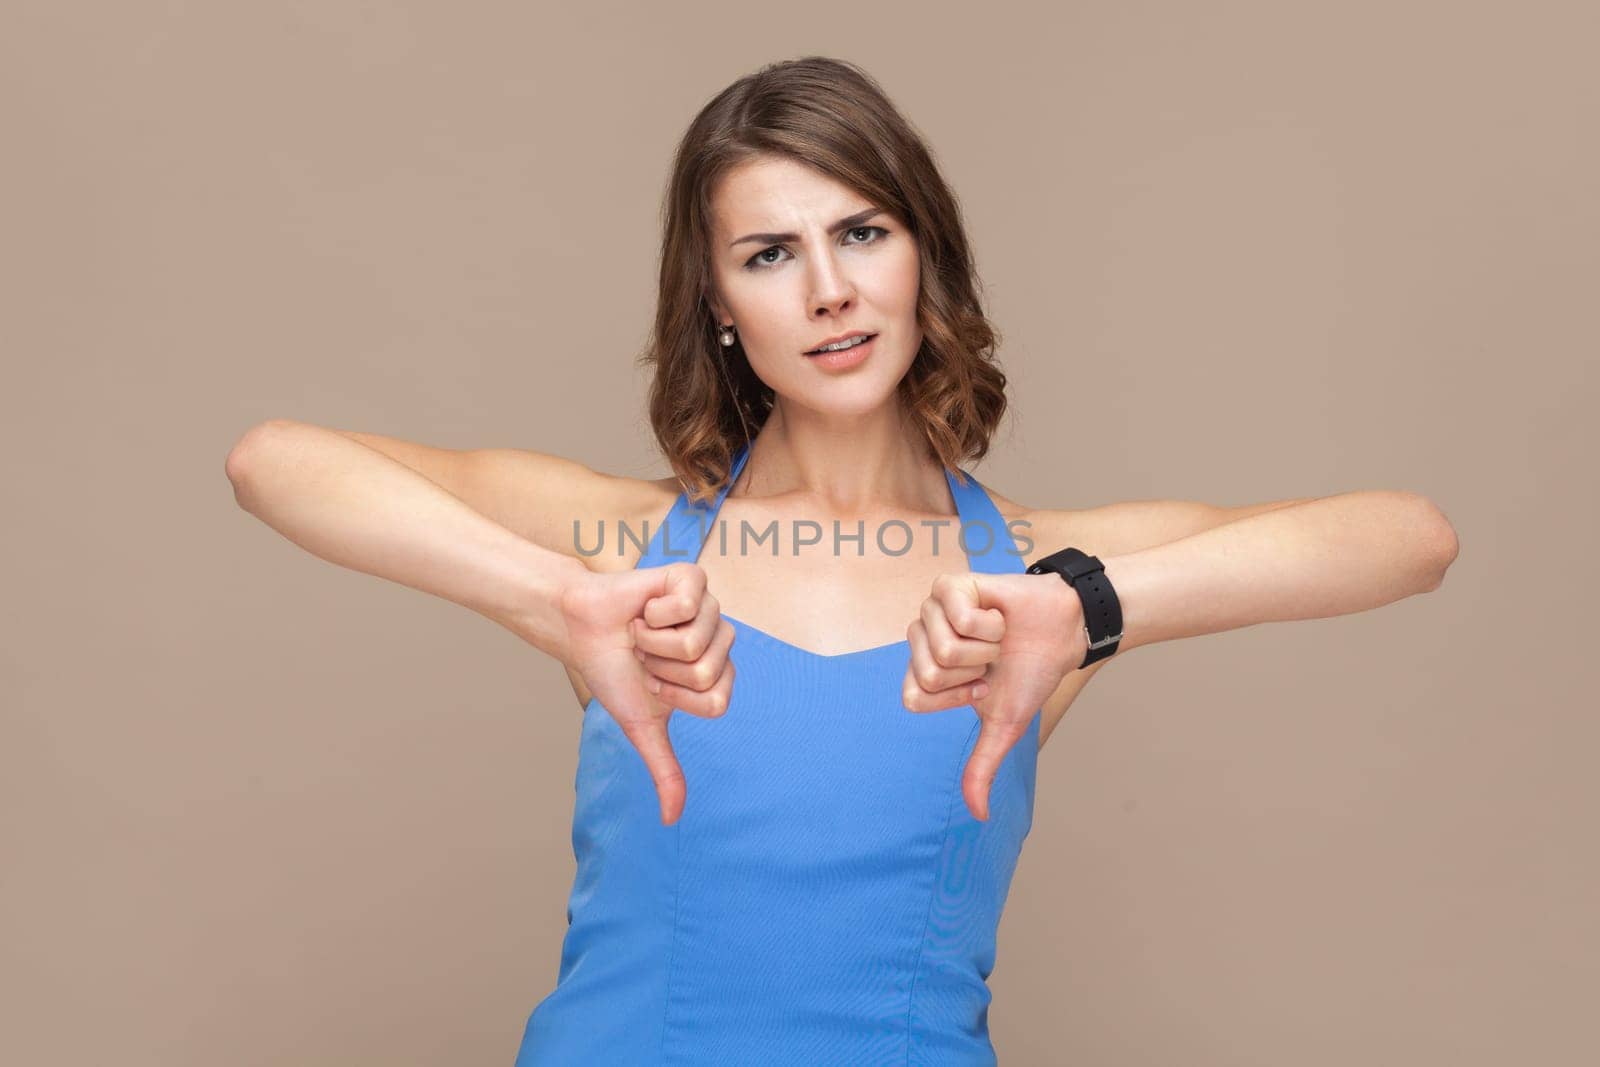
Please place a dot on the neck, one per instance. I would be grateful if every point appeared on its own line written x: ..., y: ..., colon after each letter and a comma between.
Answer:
x: 847, y: 467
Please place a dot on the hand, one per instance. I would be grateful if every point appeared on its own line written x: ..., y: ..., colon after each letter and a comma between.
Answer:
x: 1000, y: 642
x: 647, y: 641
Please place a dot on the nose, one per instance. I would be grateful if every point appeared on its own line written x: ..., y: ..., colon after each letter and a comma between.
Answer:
x: 831, y: 288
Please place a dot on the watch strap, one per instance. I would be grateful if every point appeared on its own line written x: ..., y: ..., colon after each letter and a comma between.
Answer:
x: 1102, y: 611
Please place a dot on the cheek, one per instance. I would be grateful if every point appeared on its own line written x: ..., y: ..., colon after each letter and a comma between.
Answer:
x: 897, y: 283
x: 759, y: 315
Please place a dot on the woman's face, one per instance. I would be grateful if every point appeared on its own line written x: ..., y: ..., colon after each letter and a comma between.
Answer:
x: 798, y: 259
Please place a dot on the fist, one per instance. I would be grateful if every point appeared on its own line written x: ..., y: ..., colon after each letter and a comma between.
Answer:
x: 646, y: 642
x: 1001, y: 643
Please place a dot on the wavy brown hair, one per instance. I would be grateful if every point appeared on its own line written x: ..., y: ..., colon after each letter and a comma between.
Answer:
x: 705, y: 400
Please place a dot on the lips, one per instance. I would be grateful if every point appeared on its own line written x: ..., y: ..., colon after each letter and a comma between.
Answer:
x: 858, y: 335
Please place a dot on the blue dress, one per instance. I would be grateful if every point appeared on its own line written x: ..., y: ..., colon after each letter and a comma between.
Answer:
x: 825, y: 897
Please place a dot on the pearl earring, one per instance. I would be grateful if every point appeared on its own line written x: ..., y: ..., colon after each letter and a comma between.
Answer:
x: 727, y: 336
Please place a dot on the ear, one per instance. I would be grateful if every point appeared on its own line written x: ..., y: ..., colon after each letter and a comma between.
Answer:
x: 716, y: 308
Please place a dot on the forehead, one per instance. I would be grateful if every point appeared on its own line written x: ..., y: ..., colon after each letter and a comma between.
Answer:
x: 772, y: 193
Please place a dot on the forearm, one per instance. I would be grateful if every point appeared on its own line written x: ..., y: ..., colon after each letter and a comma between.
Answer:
x: 1331, y: 556
x: 355, y: 507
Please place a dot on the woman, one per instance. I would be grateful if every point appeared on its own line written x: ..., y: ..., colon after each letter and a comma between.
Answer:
x: 808, y: 867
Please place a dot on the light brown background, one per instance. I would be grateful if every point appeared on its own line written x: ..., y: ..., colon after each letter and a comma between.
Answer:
x: 260, y: 810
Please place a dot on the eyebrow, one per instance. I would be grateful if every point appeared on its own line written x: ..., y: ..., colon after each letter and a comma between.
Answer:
x: 849, y: 222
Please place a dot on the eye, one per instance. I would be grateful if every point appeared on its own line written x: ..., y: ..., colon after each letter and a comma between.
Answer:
x: 756, y: 262
x: 870, y: 229
x: 759, y: 262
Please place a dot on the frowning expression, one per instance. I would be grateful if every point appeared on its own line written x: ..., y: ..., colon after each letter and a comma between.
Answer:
x: 799, y: 259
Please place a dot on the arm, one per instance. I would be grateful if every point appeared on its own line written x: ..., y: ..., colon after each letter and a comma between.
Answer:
x: 357, y: 507
x: 535, y: 495
x: 1180, y: 569
x: 1307, y: 559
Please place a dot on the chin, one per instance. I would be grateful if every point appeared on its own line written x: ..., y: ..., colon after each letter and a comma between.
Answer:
x: 848, y: 399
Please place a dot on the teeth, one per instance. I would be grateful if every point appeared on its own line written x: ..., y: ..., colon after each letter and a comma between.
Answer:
x: 844, y: 344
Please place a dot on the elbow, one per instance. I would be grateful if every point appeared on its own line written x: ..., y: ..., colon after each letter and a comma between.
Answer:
x: 1447, y: 555
x: 1441, y: 538
x: 241, y: 461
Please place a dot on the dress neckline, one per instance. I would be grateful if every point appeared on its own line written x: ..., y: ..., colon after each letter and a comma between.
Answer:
x: 681, y: 537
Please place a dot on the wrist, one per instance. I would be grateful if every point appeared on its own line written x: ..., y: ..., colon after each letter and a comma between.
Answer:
x: 535, y: 613
x: 1100, y: 608
x: 1069, y: 609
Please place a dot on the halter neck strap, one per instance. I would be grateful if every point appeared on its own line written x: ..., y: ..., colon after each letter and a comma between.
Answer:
x: 980, y: 528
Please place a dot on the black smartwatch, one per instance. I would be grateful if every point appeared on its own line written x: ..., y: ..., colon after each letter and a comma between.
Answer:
x: 1102, y: 611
